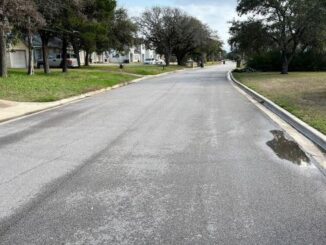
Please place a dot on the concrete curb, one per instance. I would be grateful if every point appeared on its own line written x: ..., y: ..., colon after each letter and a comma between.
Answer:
x: 51, y: 105
x: 314, y: 135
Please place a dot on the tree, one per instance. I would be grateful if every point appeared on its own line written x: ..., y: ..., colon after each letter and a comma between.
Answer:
x: 213, y: 48
x: 170, y: 31
x: 12, y: 12
x: 31, y: 21
x: 122, y: 31
x: 94, y: 27
x: 249, y: 37
x: 158, y: 26
x: 71, y: 10
x: 50, y: 11
x: 90, y: 34
x: 192, y: 36
x: 285, y: 22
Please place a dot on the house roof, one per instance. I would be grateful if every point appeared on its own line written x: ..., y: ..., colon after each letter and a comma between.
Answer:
x: 53, y: 43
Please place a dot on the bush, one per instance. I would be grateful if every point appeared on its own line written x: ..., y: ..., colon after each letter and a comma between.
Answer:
x: 243, y: 70
x: 271, y: 61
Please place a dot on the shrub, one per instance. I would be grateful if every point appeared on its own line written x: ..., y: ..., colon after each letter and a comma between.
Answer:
x: 306, y: 61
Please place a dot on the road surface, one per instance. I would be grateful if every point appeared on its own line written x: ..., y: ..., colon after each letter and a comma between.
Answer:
x: 181, y: 159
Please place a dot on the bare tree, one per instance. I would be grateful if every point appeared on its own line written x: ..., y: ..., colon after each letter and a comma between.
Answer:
x: 158, y: 26
x: 192, y: 35
x: 170, y: 31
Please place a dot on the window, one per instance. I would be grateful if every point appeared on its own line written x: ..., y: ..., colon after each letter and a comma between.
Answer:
x: 73, y: 56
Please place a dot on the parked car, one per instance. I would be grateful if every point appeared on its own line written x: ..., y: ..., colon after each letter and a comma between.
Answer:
x: 160, y: 62
x: 126, y: 61
x: 150, y: 61
x: 56, y: 61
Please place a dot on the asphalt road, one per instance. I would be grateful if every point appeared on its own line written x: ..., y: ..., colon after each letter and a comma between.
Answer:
x: 181, y: 159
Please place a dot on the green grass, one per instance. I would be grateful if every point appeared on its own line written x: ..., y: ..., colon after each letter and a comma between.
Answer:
x: 136, y: 69
x: 212, y: 63
x: 55, y: 86
x: 301, y: 93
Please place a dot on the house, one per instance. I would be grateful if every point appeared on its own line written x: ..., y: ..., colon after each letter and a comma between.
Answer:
x: 135, y: 54
x: 54, y: 47
x: 17, y: 56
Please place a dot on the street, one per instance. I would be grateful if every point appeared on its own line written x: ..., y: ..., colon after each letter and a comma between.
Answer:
x: 180, y: 159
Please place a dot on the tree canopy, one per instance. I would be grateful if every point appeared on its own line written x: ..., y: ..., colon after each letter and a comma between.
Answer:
x: 170, y: 31
x: 89, y: 25
x: 285, y: 25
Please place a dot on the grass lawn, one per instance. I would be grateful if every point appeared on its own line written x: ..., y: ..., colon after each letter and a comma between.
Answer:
x: 212, y: 63
x: 136, y: 68
x: 55, y: 86
x: 301, y: 93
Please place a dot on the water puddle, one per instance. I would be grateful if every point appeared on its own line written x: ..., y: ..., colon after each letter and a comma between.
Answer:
x: 287, y: 149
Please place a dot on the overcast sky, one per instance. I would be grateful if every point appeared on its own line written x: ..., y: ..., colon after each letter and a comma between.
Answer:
x: 215, y: 13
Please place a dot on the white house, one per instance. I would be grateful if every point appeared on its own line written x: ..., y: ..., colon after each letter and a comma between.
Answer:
x: 135, y: 54
x: 17, y: 56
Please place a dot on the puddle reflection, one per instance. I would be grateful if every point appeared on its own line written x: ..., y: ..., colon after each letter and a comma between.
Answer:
x: 287, y: 149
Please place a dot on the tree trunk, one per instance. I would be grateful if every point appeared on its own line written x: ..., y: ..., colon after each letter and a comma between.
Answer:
x: 30, y: 70
x: 3, y: 53
x: 285, y: 64
x: 64, y: 54
x: 181, y: 59
x: 167, y: 59
x: 76, y: 51
x: 239, y: 63
x: 86, y: 58
x: 45, y: 51
x: 203, y: 58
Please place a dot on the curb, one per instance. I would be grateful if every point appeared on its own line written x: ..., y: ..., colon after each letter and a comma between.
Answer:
x: 314, y: 135
x: 55, y: 104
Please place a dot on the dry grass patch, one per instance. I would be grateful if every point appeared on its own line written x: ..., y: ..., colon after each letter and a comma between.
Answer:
x: 301, y: 93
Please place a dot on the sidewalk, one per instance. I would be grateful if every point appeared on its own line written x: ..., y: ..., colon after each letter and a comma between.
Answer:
x: 10, y: 110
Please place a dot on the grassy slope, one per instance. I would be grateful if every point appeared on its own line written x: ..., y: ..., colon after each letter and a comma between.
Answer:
x: 301, y: 93
x: 42, y: 88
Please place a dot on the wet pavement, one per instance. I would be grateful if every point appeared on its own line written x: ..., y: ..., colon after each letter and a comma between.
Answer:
x: 287, y: 149
x: 181, y: 159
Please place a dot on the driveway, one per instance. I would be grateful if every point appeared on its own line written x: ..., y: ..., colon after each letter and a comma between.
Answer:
x: 181, y: 159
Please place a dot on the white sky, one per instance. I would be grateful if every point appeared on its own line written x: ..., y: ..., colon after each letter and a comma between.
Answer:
x: 216, y: 13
